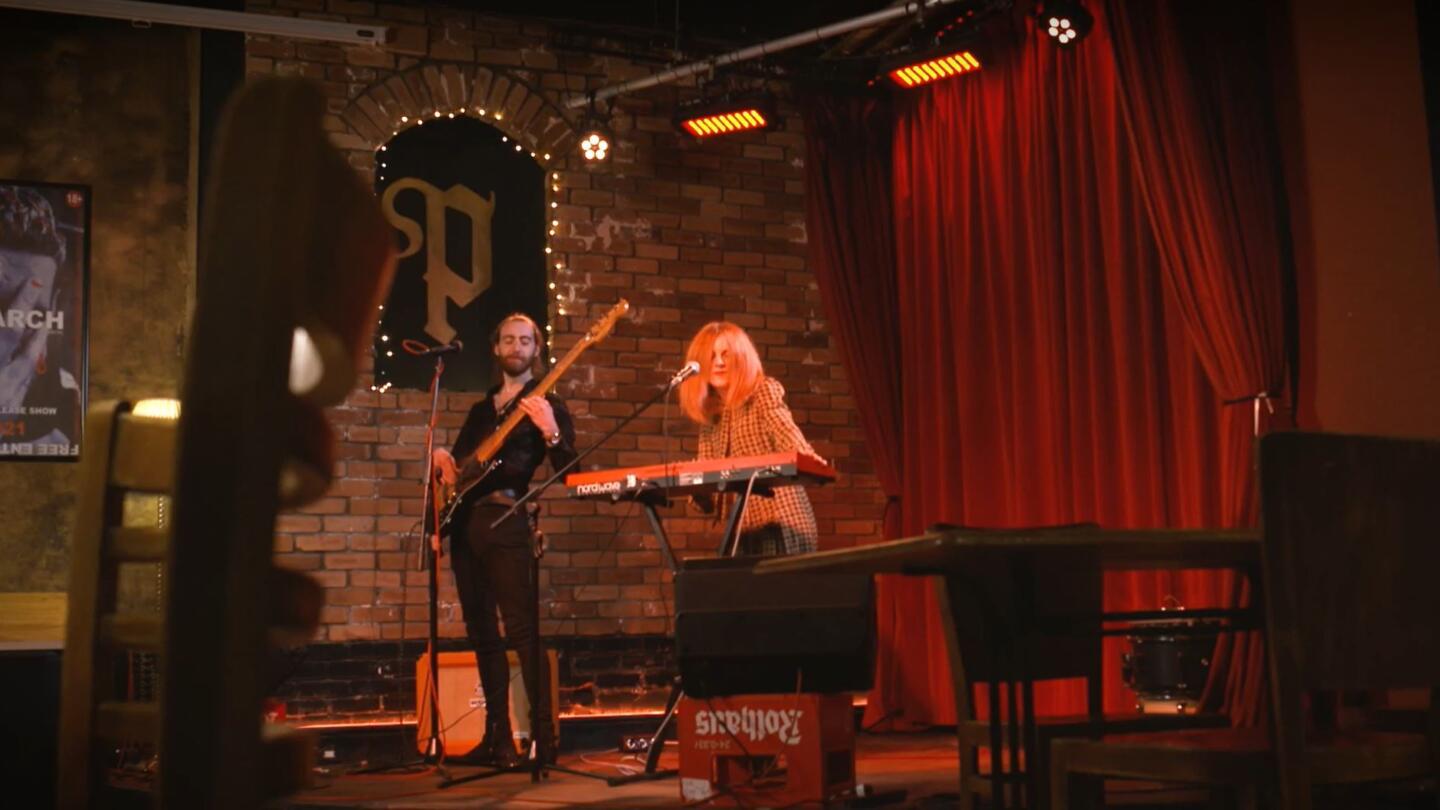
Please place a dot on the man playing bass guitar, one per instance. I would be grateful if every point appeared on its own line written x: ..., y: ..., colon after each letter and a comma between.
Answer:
x: 493, y: 566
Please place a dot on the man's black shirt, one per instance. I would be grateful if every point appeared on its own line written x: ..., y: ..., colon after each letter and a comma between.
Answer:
x: 524, y: 449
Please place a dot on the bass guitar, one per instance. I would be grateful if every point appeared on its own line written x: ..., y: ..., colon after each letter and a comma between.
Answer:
x: 479, y: 465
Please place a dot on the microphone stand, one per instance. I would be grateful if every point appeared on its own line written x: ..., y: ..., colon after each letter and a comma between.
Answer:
x: 537, y: 767
x: 535, y: 492
x: 434, y: 745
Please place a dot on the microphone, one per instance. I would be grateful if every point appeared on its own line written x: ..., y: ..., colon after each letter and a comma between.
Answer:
x: 686, y: 371
x: 453, y: 347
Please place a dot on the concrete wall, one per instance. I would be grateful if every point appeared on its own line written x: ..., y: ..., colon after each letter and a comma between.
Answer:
x: 1368, y: 257
x: 106, y: 105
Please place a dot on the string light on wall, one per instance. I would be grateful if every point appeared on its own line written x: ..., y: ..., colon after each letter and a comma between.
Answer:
x: 552, y: 194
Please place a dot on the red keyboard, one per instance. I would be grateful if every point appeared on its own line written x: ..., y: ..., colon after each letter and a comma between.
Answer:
x: 691, y: 477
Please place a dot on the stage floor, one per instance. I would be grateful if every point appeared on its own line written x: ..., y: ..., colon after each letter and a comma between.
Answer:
x: 898, y: 770
x: 922, y: 765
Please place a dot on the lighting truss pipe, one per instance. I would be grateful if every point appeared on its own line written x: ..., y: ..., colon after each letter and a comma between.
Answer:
x: 165, y: 14
x: 756, y: 51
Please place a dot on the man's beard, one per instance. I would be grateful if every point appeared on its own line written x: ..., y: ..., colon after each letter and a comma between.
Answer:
x: 515, y: 366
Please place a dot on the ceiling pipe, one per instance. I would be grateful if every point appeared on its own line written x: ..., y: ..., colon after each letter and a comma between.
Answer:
x: 142, y: 13
x: 756, y: 51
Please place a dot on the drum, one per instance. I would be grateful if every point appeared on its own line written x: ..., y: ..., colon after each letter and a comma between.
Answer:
x: 1167, y: 667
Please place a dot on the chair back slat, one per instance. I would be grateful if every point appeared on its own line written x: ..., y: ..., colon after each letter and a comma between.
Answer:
x: 144, y: 455
x: 132, y: 631
x: 1352, y: 544
x: 127, y: 720
x: 137, y: 544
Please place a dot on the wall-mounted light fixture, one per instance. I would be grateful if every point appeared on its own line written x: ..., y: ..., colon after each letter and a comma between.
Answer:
x: 597, y: 141
x: 711, y: 118
x: 915, y: 69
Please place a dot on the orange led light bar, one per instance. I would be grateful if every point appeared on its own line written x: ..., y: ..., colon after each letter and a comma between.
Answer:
x: 740, y: 120
x: 942, y: 67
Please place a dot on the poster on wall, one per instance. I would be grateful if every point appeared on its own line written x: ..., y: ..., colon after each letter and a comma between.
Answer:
x: 468, y: 208
x: 44, y: 271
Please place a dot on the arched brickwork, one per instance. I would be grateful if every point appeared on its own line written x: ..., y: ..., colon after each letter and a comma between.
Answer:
x: 434, y: 90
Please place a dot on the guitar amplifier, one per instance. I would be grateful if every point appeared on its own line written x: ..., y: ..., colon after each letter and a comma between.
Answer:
x: 742, y: 633
x: 462, y: 703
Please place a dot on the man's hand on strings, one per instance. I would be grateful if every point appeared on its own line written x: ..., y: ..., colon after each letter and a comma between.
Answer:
x: 444, y: 466
x: 541, y: 413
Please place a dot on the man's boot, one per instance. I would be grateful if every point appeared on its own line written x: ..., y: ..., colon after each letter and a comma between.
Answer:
x: 537, y: 688
x: 497, y: 747
x: 499, y: 742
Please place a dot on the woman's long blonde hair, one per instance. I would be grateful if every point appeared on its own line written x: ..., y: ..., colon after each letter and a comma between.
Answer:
x: 698, y: 399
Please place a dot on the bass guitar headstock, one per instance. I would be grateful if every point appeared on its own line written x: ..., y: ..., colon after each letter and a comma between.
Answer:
x: 601, y: 328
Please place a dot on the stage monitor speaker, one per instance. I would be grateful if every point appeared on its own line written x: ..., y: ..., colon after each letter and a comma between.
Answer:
x: 462, y: 704
x: 738, y: 632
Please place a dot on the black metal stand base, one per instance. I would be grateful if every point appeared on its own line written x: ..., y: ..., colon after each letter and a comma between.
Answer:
x: 643, y: 776
x: 657, y: 745
x: 489, y: 772
x: 425, y: 761
x: 537, y: 772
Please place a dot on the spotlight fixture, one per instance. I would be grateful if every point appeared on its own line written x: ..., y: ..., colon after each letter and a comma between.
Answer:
x: 596, y: 142
x: 1066, y: 22
x: 914, y: 70
x: 724, y: 118
x: 595, y: 146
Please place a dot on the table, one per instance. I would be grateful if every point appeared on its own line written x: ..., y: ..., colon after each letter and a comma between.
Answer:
x: 1025, y: 605
x: 32, y: 621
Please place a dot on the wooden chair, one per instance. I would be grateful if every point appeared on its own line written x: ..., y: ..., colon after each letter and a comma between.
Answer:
x: 1351, y: 546
x: 123, y: 454
x: 294, y: 261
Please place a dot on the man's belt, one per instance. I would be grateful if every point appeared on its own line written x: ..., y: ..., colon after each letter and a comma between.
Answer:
x: 499, y: 497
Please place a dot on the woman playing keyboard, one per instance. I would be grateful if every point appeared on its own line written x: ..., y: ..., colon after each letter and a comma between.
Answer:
x: 742, y: 412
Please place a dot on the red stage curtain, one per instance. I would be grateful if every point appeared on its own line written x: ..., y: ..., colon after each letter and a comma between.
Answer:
x: 849, y: 219
x: 1050, y: 383
x: 1074, y: 243
x: 852, y: 249
x: 1045, y: 374
x: 1198, y: 110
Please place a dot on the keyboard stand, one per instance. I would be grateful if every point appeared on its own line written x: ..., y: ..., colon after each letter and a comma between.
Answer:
x: 650, y: 501
x: 729, y: 545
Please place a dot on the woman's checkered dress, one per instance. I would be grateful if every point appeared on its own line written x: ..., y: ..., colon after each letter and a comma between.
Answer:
x: 785, y: 523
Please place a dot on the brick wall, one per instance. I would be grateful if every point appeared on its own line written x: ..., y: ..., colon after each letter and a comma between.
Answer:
x: 598, y: 675
x: 688, y: 232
